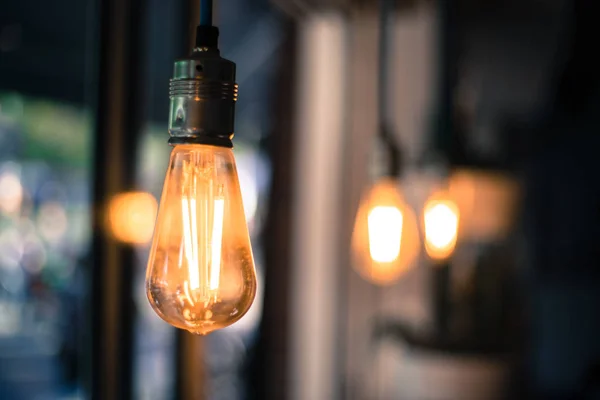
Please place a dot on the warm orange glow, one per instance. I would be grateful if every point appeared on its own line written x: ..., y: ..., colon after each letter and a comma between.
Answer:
x: 487, y: 201
x: 440, y: 220
x: 201, y: 273
x: 131, y: 217
x: 385, y: 241
x: 385, y: 233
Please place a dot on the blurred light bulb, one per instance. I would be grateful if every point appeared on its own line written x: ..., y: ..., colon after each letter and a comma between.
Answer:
x: 385, y: 233
x: 131, y: 217
x: 201, y: 274
x: 385, y: 240
x: 440, y: 220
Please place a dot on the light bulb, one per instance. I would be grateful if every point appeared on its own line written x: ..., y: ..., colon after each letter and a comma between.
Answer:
x: 131, y: 217
x: 385, y: 233
x: 440, y: 221
x: 201, y: 273
x: 385, y: 240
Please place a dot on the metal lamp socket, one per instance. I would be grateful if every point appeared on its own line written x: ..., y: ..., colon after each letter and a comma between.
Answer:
x: 203, y: 94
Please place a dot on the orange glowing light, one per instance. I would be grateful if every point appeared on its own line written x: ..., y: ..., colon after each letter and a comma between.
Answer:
x: 488, y: 203
x: 441, y: 222
x: 385, y: 240
x: 131, y: 217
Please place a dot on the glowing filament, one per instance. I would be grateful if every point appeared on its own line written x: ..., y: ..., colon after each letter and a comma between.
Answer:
x: 385, y: 233
x: 192, y: 252
x: 217, y: 236
x: 188, y: 208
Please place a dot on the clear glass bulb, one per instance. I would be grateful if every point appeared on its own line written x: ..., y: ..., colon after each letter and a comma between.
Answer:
x: 201, y: 274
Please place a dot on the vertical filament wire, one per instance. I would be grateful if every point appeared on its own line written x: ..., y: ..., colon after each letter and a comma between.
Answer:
x: 203, y: 209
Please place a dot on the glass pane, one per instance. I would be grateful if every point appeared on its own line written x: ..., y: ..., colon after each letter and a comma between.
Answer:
x: 45, y: 134
x: 46, y: 129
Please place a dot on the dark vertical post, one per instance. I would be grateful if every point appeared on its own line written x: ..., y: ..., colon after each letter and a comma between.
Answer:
x: 441, y: 299
x: 190, y: 377
x: 119, y: 120
x: 447, y: 64
x: 267, y: 368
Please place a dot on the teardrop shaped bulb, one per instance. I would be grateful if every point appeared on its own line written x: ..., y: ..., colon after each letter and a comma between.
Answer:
x: 201, y: 274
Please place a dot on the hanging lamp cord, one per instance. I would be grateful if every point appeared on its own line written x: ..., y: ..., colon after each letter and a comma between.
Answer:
x: 206, y: 12
x: 443, y: 134
x: 386, y: 134
x: 207, y: 35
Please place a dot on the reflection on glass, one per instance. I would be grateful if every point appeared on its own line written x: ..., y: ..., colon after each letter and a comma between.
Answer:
x: 249, y: 193
x: 52, y: 221
x: 201, y: 273
x: 44, y: 232
x: 11, y: 192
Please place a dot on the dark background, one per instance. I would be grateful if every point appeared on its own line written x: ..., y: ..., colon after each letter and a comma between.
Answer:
x: 512, y: 88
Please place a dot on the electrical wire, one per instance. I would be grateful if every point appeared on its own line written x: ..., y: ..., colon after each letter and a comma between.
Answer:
x: 443, y: 134
x: 394, y: 152
x: 206, y: 11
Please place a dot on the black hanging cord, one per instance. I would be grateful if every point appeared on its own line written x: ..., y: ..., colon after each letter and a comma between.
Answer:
x: 385, y: 132
x: 206, y: 12
x: 444, y: 129
x: 207, y: 35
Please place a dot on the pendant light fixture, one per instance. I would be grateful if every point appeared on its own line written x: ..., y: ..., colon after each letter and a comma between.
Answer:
x: 440, y: 220
x: 385, y: 239
x: 200, y: 274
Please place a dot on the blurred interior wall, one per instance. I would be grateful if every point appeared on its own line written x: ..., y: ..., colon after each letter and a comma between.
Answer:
x: 314, y: 279
x: 412, y: 83
x: 333, y: 309
x: 409, y: 95
x: 359, y: 297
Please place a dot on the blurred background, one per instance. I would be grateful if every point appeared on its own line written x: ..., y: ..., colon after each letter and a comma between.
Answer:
x: 464, y: 131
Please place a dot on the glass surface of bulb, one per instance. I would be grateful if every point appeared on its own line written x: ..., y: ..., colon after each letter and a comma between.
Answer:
x: 385, y: 240
x: 201, y: 274
x: 440, y: 222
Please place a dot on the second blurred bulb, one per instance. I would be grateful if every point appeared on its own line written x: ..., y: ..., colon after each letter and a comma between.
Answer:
x: 440, y: 225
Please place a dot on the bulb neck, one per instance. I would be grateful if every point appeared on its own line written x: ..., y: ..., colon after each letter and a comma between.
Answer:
x: 203, y: 94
